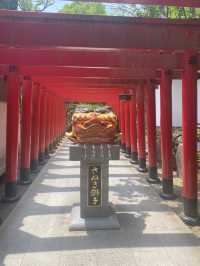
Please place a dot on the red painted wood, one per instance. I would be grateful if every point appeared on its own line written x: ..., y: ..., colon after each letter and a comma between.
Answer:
x: 151, y: 124
x: 81, y: 81
x: 87, y: 31
x: 89, y: 72
x: 3, y: 117
x: 47, y: 128
x: 109, y: 97
x: 48, y: 60
x: 166, y: 124
x: 12, y: 137
x: 43, y: 108
x: 35, y: 122
x: 189, y: 104
x: 121, y: 116
x: 51, y: 119
x: 54, y: 119
x: 26, y: 123
x: 133, y: 118
x: 140, y: 122
x: 127, y: 125
x: 59, y: 87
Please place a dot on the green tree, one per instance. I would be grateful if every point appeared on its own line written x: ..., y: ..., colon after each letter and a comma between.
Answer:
x: 155, y: 11
x: 26, y: 5
x: 34, y: 5
x: 84, y: 8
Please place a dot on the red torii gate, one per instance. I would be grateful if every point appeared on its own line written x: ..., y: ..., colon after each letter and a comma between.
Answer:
x: 133, y: 56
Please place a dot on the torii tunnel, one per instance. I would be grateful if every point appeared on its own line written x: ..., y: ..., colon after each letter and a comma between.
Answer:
x: 49, y: 59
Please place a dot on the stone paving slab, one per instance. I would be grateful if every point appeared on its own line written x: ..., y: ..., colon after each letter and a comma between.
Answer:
x: 36, y: 231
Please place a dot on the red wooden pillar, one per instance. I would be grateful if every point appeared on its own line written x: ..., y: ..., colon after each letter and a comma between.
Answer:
x: 47, y: 136
x: 166, y: 134
x: 122, y: 122
x: 35, y: 128
x: 51, y: 148
x: 12, y: 136
x: 60, y: 120
x: 151, y: 133
x: 133, y: 128
x: 127, y: 126
x: 26, y: 131
x: 56, y: 124
x: 63, y: 120
x: 141, y: 129
x: 43, y: 107
x: 189, y: 104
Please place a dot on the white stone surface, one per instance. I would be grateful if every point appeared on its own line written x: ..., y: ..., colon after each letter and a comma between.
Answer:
x: 36, y: 232
x: 176, y: 103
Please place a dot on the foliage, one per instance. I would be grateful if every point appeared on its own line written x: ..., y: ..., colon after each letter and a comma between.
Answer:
x: 155, y: 11
x: 34, y: 5
x: 26, y: 5
x: 84, y: 8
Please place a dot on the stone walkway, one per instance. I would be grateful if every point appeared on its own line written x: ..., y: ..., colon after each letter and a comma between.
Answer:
x: 36, y: 232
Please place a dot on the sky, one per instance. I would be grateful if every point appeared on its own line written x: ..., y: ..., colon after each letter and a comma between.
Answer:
x: 57, y: 6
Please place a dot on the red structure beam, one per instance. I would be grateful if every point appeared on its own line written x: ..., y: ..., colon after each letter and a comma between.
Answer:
x: 87, y: 72
x: 74, y: 57
x: 109, y: 97
x: 28, y: 29
x: 69, y: 83
x: 179, y: 3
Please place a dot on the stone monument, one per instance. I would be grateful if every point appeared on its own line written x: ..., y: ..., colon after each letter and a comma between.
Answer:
x: 94, y: 211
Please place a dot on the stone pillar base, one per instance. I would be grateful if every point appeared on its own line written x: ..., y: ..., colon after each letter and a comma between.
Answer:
x: 92, y: 223
x: 128, y: 152
x: 42, y: 159
x: 190, y: 215
x: 167, y: 189
x: 47, y: 156
x: 10, y: 192
x: 142, y: 165
x: 34, y: 166
x: 51, y: 148
x: 134, y: 157
x: 25, y: 178
x: 123, y: 148
x: 153, y: 176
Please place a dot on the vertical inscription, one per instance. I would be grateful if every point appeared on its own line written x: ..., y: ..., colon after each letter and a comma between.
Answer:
x: 94, y: 186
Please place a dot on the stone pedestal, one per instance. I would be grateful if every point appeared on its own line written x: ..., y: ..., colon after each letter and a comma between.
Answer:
x: 95, y: 211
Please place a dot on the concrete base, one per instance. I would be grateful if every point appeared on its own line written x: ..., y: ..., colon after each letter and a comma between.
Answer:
x: 92, y: 223
x: 192, y: 221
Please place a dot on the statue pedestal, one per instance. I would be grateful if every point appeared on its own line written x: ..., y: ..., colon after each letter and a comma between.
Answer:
x: 95, y: 211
